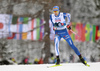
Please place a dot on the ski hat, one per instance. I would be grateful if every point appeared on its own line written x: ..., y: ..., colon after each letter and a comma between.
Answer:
x: 55, y: 8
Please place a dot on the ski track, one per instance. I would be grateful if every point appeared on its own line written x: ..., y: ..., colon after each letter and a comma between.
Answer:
x: 43, y: 67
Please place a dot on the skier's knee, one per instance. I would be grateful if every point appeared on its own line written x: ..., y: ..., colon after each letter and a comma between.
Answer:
x: 70, y: 43
x: 56, y: 39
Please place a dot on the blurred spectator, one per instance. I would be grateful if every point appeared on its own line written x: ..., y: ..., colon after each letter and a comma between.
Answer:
x: 5, y: 62
x: 40, y: 61
x: 55, y: 60
x: 25, y: 60
x: 51, y: 59
x: 71, y: 58
x: 65, y: 61
x: 92, y: 58
x: 36, y: 61
x: 13, y: 59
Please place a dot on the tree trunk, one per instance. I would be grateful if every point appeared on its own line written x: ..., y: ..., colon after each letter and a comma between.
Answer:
x: 46, y: 38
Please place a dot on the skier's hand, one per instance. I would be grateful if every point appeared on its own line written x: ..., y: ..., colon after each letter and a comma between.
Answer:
x: 54, y: 28
x: 68, y: 27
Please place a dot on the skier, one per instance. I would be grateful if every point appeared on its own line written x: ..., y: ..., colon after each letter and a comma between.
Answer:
x: 59, y: 26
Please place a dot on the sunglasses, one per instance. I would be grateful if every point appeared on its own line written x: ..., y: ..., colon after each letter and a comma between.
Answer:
x: 55, y: 11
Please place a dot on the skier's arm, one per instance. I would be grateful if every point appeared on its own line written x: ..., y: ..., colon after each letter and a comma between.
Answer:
x: 51, y: 19
x: 52, y: 22
x: 68, y: 20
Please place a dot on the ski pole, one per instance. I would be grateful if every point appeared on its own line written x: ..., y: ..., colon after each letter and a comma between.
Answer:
x: 74, y: 33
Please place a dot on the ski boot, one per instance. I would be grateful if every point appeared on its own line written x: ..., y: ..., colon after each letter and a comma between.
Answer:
x: 58, y: 60
x: 83, y: 61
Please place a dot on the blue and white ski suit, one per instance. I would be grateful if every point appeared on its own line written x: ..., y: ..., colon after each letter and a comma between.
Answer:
x: 61, y: 31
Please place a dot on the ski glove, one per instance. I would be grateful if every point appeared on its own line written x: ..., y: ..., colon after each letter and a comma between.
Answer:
x: 53, y: 28
x: 68, y: 27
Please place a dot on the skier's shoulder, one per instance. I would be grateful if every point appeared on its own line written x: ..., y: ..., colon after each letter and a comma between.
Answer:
x: 52, y: 15
x: 61, y: 12
x: 66, y: 14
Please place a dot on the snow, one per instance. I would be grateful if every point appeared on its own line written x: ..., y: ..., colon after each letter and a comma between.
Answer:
x: 43, y: 67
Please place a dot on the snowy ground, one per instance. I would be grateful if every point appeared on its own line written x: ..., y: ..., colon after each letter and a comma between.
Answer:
x: 43, y: 67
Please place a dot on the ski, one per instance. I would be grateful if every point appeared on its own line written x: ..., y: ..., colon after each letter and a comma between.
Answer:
x: 88, y: 65
x: 53, y: 66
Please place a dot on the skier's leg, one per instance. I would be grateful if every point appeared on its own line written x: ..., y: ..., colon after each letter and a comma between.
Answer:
x: 56, y: 40
x: 70, y: 42
x: 82, y: 60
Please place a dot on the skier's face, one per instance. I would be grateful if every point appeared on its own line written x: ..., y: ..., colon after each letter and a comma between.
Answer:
x: 56, y: 12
